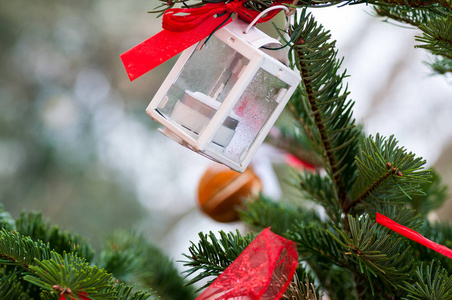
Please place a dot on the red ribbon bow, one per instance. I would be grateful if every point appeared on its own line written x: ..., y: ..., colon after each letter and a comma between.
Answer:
x: 182, y: 28
x: 183, y: 19
x: 263, y: 270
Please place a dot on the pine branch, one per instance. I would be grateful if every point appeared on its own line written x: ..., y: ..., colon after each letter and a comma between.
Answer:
x: 322, y: 104
x: 21, y: 251
x: 212, y: 256
x: 441, y: 65
x: 36, y: 228
x: 435, y: 194
x: 398, y: 212
x: 11, y: 287
x: 119, y: 292
x: 439, y: 232
x: 260, y: 5
x: 387, y: 260
x: 299, y: 290
x: 324, y: 258
x: 131, y: 258
x: 437, y: 36
x: 431, y: 282
x: 71, y: 275
x: 320, y: 189
x: 416, y: 3
x: 387, y: 172
x: 315, y: 240
x: 124, y: 292
x: 409, y: 15
x: 280, y: 216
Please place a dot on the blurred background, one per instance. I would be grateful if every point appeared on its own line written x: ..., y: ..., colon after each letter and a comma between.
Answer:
x: 76, y: 143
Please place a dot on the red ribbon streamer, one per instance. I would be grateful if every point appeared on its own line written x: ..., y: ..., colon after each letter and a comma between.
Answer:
x: 263, y: 270
x: 413, y: 235
x: 182, y: 28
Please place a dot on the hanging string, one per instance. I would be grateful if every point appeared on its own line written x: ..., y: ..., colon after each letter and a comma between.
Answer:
x: 285, y: 30
x: 283, y: 7
x: 185, y: 4
x: 219, y: 26
x: 256, y: 19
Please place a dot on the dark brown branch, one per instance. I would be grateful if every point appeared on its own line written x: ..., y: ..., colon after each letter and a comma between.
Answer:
x: 370, y: 189
x: 329, y: 158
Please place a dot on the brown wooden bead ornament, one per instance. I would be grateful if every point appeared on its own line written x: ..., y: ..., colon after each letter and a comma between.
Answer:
x: 221, y: 191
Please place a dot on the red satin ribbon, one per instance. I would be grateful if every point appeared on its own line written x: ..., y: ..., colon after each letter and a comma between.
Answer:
x: 263, y: 270
x: 413, y: 235
x: 182, y: 28
x: 183, y: 19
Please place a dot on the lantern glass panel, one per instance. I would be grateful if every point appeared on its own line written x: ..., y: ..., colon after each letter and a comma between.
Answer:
x: 253, y: 109
x: 196, y: 95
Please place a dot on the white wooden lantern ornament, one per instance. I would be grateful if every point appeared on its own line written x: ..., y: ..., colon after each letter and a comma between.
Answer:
x: 223, y: 96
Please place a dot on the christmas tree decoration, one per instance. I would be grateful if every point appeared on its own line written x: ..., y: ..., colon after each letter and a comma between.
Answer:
x: 184, y: 27
x: 413, y: 235
x: 226, y: 91
x: 221, y: 191
x: 262, y: 271
x: 223, y: 95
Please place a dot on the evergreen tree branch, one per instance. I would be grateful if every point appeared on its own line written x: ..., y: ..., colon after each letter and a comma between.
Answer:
x: 131, y: 258
x: 325, y: 258
x: 435, y: 194
x: 322, y: 103
x: 439, y: 232
x: 314, y: 239
x: 319, y: 188
x: 21, y: 251
x: 441, y: 65
x: 280, y: 216
x: 71, y: 275
x: 431, y: 282
x: 299, y: 290
x: 11, y: 287
x: 437, y: 36
x: 388, y: 260
x: 416, y: 3
x: 409, y: 15
x: 387, y: 172
x: 260, y: 5
x: 212, y: 256
x: 33, y: 225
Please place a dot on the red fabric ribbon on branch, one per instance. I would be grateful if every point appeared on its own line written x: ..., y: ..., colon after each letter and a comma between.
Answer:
x: 263, y: 271
x: 413, y: 235
x: 182, y: 28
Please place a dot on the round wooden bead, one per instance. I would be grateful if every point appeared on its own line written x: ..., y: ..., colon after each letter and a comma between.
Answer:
x: 221, y: 191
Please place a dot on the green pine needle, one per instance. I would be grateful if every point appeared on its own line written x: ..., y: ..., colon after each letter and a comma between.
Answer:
x: 73, y: 274
x: 211, y: 256
x: 131, y: 258
x: 321, y: 103
x: 378, y: 256
x: 33, y: 225
x: 21, y: 251
x: 431, y: 282
x: 437, y: 36
x: 387, y: 173
x: 280, y: 216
